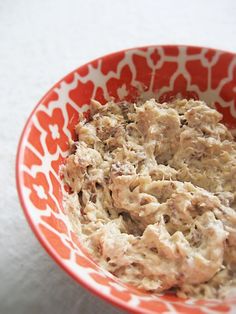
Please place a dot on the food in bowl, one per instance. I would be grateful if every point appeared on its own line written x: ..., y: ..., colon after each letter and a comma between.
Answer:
x: 153, y: 195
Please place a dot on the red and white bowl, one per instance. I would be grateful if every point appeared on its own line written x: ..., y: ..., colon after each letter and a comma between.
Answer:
x: 160, y: 71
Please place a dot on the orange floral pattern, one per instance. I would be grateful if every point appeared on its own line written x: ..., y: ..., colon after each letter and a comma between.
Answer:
x: 162, y: 71
x: 53, y: 125
x: 121, y: 88
x: 39, y: 191
x: 228, y: 91
x: 180, y: 89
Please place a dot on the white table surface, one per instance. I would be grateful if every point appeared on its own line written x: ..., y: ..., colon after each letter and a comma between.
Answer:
x: 41, y: 41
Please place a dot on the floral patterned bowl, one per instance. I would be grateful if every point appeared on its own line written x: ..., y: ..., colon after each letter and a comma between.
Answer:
x: 160, y: 71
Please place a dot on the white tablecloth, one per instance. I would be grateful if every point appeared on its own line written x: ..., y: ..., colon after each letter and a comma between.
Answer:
x: 40, y: 41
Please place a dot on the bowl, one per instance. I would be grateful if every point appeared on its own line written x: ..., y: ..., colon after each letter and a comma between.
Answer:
x: 162, y: 72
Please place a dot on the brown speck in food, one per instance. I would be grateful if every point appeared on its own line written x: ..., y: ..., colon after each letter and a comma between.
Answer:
x: 166, y: 218
x: 80, y: 197
x: 98, y: 186
x: 183, y: 122
x: 113, y: 264
x: 145, y: 200
x: 94, y: 198
x: 154, y: 250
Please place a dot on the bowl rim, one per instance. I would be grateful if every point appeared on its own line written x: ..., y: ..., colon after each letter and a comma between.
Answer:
x: 19, y: 178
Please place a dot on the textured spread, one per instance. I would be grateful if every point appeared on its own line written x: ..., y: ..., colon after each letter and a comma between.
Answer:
x: 153, y: 195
